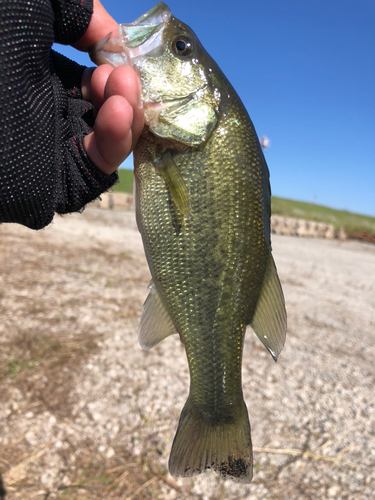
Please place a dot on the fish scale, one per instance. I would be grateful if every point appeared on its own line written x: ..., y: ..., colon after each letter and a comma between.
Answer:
x: 203, y: 209
x: 212, y: 243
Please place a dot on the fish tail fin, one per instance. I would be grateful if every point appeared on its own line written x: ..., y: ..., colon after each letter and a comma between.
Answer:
x: 223, y: 446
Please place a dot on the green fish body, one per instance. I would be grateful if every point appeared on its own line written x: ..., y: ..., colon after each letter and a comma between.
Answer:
x: 202, y: 200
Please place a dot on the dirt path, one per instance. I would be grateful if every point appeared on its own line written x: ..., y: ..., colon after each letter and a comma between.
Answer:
x: 85, y: 413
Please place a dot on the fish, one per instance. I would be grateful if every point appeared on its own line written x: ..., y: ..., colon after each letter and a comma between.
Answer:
x: 202, y: 200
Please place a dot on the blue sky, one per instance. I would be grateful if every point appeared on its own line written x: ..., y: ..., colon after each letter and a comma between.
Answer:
x: 306, y: 74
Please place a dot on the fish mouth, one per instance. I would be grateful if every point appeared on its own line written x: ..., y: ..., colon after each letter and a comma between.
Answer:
x: 142, y: 37
x: 160, y: 13
x: 152, y: 109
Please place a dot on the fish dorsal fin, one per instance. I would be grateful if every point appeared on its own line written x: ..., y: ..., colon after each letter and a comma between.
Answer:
x: 269, y: 319
x: 155, y: 324
x: 191, y: 123
x: 168, y: 170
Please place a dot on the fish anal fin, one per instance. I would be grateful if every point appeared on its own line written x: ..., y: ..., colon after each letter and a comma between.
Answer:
x: 224, y: 446
x: 269, y: 320
x: 175, y: 183
x: 155, y: 324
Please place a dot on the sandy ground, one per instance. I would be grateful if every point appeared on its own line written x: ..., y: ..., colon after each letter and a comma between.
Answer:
x: 86, y: 414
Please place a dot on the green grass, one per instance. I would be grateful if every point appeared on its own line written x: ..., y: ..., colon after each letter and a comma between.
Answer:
x: 126, y: 181
x: 352, y: 223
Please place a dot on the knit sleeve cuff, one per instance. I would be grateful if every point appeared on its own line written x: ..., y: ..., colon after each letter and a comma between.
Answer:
x: 72, y: 18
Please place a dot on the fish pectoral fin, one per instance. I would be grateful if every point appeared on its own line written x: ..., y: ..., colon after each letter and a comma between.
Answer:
x: 155, y: 324
x: 190, y: 124
x: 168, y: 170
x: 269, y: 319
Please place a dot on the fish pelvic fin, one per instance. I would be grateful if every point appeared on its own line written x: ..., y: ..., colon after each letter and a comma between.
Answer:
x: 269, y: 320
x: 223, y: 446
x: 155, y: 324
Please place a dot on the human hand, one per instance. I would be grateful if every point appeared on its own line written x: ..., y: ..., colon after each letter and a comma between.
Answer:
x: 116, y: 96
x: 55, y: 158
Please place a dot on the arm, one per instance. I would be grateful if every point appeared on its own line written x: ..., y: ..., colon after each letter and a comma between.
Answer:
x: 52, y: 158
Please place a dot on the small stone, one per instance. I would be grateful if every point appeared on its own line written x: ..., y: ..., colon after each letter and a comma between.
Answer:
x: 333, y: 491
x: 47, y: 478
x: 31, y: 438
x: 65, y: 481
x: 52, y: 420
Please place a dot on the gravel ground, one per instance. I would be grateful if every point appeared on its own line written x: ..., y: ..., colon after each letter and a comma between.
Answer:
x: 86, y: 414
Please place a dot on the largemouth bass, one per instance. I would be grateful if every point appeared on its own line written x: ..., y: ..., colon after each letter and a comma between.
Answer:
x: 202, y: 199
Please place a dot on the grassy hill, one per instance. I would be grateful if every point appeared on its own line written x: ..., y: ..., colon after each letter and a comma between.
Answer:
x: 352, y: 223
x: 126, y: 181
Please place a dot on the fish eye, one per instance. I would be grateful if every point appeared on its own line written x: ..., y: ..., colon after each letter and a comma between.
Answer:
x: 182, y: 46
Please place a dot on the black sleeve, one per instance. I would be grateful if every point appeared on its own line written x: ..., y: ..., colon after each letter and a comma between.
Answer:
x: 43, y: 119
